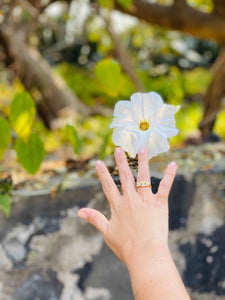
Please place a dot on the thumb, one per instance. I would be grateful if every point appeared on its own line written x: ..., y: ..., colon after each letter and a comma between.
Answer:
x: 94, y: 217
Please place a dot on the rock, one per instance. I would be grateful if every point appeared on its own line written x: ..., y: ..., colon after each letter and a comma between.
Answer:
x: 42, y: 286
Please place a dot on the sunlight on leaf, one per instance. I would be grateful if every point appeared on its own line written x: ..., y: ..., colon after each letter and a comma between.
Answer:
x: 5, y: 203
x: 73, y: 138
x: 109, y: 75
x: 22, y: 114
x: 125, y: 3
x: 219, y: 127
x: 31, y: 153
x: 5, y: 136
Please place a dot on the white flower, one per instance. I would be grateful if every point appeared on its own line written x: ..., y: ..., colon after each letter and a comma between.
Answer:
x: 145, y: 121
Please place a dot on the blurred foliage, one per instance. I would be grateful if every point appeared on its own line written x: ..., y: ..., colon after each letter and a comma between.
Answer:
x: 22, y: 114
x: 174, y: 65
x: 5, y: 198
x: 109, y: 75
x: 30, y: 153
x: 28, y: 145
x: 5, y: 203
x: 91, y: 90
x: 204, y: 5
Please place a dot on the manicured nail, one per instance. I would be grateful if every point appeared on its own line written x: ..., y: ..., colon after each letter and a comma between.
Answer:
x: 118, y: 150
x: 172, y: 165
x: 82, y: 215
x: 98, y: 163
x: 142, y: 150
x: 86, y: 212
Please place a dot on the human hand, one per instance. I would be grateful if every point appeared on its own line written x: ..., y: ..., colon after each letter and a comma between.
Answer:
x: 139, y: 218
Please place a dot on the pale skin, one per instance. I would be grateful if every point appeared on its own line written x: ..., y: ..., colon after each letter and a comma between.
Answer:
x: 137, y: 231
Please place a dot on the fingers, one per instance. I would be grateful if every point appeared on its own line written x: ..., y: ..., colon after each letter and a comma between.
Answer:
x: 126, y: 176
x: 143, y: 170
x: 95, y: 218
x: 167, y: 181
x: 108, y: 185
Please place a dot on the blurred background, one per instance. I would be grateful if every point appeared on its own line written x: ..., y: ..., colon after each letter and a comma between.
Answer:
x: 78, y: 58
x: 64, y: 65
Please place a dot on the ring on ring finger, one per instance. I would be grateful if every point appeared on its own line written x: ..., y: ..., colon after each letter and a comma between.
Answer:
x: 141, y: 184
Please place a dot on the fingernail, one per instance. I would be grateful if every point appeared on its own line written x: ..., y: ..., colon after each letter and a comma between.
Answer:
x: 142, y: 150
x: 98, y: 163
x: 82, y: 215
x: 118, y: 150
x: 85, y: 213
x: 172, y: 165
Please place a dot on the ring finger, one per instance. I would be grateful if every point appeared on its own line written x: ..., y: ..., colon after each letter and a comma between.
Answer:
x: 143, y: 175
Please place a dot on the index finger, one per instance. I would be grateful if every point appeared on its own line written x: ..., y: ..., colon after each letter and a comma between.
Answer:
x: 108, y: 185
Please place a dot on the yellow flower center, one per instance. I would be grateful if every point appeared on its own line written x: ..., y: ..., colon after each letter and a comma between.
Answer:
x: 144, y: 126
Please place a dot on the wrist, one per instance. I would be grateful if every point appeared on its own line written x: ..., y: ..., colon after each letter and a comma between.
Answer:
x: 150, y: 252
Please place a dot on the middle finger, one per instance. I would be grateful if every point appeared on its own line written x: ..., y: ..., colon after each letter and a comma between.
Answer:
x: 126, y: 176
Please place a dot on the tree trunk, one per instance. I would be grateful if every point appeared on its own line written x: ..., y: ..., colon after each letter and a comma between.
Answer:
x: 34, y: 71
x: 213, y: 97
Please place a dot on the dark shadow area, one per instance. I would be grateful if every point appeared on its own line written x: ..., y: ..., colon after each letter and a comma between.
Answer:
x: 39, y: 285
x: 108, y: 272
x: 205, y: 262
x: 180, y: 201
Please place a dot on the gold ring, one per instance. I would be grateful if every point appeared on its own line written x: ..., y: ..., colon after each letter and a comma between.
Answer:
x: 143, y: 184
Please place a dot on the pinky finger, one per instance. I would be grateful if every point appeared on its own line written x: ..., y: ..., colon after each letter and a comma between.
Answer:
x: 167, y: 181
x: 95, y: 218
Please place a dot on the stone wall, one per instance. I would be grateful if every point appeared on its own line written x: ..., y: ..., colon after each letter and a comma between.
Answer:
x: 48, y: 253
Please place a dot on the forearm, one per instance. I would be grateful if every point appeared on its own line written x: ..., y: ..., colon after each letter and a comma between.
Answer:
x: 154, y: 276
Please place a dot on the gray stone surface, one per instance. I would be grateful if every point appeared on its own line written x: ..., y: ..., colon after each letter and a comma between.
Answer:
x: 48, y: 253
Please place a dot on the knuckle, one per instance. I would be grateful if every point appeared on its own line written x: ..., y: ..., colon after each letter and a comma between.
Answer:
x: 107, y: 186
x: 161, y: 198
x: 164, y: 185
x: 143, y: 177
x: 169, y: 173
x: 126, y: 176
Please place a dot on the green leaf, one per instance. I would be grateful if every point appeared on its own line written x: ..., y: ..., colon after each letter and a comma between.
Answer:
x: 73, y: 138
x: 104, y: 145
x: 5, y: 136
x: 5, y: 203
x: 109, y: 75
x: 106, y: 3
x: 6, y: 185
x: 22, y: 114
x: 125, y: 3
x: 31, y: 153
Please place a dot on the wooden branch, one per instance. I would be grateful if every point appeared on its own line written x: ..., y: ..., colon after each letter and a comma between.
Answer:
x: 213, y: 96
x: 29, y: 8
x: 180, y: 17
x: 219, y: 7
x: 122, y: 55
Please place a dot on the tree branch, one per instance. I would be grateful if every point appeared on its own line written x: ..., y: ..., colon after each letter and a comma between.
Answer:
x: 122, y: 55
x: 219, y: 8
x: 180, y: 17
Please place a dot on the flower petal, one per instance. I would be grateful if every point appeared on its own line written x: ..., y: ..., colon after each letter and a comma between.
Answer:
x: 165, y: 120
x: 145, y: 105
x: 168, y: 129
x: 157, y: 143
x: 123, y: 115
x: 126, y: 139
x: 166, y: 112
x: 156, y: 99
x: 143, y: 138
x: 122, y: 108
x: 121, y: 122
